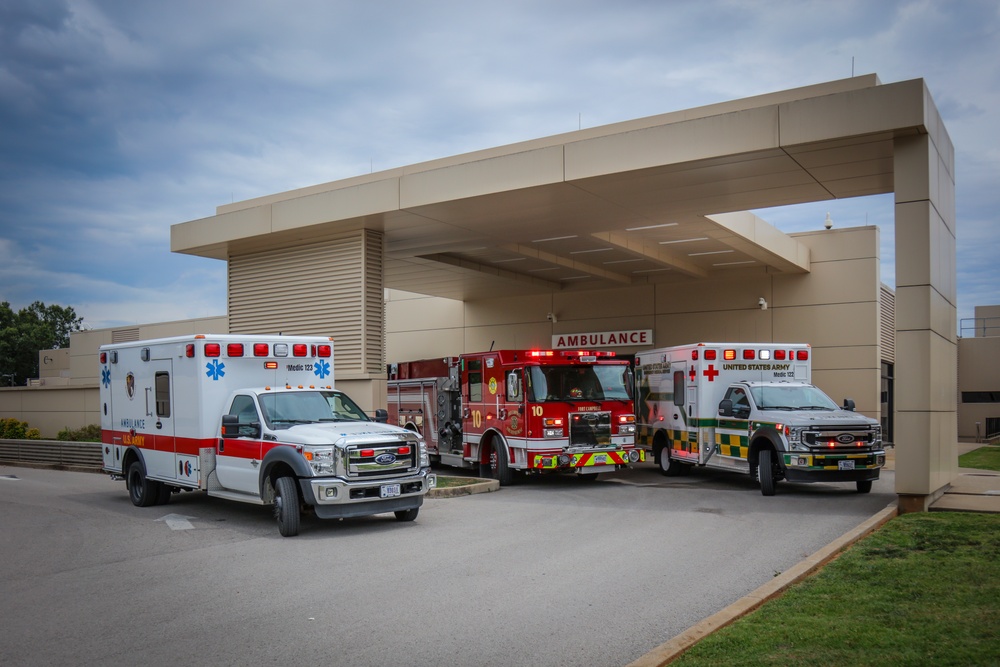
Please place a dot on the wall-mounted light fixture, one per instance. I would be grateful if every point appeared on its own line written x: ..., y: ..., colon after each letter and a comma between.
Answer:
x: 47, y: 359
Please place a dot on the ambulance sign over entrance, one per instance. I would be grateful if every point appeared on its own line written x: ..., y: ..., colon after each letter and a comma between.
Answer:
x: 603, y: 339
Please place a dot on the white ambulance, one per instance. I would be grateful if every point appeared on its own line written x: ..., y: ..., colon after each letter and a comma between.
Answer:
x: 750, y: 407
x: 254, y: 419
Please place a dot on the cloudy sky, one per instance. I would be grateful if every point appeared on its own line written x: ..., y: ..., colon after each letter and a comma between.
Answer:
x: 119, y: 118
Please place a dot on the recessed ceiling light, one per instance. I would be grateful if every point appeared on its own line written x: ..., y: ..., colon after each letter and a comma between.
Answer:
x: 710, y: 252
x: 636, y: 229
x: 700, y: 238
x: 555, y: 238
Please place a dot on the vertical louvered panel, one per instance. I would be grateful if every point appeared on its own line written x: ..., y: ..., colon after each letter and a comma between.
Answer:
x: 887, y: 323
x: 315, y: 289
x: 374, y: 297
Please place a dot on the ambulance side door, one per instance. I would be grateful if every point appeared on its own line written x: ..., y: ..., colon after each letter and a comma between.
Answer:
x: 237, y: 459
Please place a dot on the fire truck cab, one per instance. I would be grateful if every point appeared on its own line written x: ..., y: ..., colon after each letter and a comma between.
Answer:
x: 534, y: 411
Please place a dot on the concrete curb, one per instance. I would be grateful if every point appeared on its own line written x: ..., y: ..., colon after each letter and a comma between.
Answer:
x: 476, y: 486
x: 670, y: 650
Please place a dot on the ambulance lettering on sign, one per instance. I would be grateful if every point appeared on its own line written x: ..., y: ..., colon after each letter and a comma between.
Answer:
x: 750, y: 407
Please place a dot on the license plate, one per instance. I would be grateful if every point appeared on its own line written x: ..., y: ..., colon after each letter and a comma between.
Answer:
x: 389, y: 490
x: 845, y: 465
x: 600, y: 458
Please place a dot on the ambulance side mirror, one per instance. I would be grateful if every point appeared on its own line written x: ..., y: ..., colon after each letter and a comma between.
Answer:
x: 849, y: 404
x: 382, y: 416
x: 230, y: 426
x: 726, y: 408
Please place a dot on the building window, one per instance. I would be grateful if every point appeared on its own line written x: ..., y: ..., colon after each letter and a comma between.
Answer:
x: 981, y: 396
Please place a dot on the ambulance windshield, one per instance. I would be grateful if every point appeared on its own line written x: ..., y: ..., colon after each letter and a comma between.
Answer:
x: 285, y: 409
x: 579, y: 383
x: 791, y: 397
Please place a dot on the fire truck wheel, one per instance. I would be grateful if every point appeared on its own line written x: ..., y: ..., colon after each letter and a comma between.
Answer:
x: 765, y: 472
x: 499, y: 463
x: 864, y: 486
x: 286, y: 506
x: 142, y: 491
x: 407, y: 515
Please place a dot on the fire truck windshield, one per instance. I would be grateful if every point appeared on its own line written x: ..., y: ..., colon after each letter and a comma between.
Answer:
x: 579, y: 383
x: 285, y: 409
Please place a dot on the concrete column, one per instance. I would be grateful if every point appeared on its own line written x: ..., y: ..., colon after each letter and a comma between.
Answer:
x: 926, y: 340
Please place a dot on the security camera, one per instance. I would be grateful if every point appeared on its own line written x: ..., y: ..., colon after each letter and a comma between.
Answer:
x: 551, y: 317
x: 762, y: 302
x: 828, y: 223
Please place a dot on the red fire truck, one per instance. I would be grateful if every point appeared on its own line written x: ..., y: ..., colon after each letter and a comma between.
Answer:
x: 536, y: 411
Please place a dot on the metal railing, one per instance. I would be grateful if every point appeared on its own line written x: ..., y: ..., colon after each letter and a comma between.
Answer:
x: 979, y: 327
x: 58, y: 454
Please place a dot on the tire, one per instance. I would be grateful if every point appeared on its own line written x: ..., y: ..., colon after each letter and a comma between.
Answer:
x: 765, y: 472
x: 407, y: 515
x: 141, y: 490
x: 286, y: 506
x: 500, y: 463
x: 668, y: 466
x: 864, y: 486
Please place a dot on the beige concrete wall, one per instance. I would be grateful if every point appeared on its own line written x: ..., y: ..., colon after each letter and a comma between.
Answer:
x: 50, y: 409
x: 978, y: 370
x: 834, y: 308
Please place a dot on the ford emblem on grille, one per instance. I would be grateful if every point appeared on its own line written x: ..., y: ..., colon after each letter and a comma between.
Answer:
x: 845, y: 438
x: 385, y: 459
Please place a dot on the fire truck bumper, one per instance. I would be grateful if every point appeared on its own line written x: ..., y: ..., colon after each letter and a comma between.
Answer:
x: 832, y: 467
x: 600, y: 459
x: 336, y: 498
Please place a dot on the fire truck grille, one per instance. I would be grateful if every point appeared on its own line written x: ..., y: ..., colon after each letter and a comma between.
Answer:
x: 589, y: 429
x: 381, y: 460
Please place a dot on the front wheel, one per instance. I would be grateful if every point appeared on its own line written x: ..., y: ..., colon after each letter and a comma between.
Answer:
x: 142, y: 491
x: 864, y: 486
x: 500, y: 463
x: 286, y: 506
x: 407, y: 515
x: 668, y: 466
x: 765, y: 472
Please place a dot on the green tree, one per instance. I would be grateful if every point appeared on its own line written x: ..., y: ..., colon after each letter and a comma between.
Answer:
x: 24, y: 333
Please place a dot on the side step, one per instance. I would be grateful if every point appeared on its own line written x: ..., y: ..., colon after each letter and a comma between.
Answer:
x: 454, y: 460
x: 235, y: 495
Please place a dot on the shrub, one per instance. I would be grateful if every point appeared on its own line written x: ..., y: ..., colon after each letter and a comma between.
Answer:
x: 15, y: 429
x: 89, y: 433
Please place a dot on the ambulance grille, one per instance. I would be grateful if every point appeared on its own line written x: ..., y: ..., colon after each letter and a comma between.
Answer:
x: 381, y: 460
x: 589, y: 429
x: 843, y: 438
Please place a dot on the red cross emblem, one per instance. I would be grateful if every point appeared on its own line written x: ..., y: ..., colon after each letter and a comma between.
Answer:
x: 711, y: 373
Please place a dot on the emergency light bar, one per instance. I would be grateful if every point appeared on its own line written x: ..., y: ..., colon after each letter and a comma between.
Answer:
x: 236, y: 350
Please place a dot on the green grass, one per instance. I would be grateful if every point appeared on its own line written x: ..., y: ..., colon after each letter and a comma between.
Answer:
x: 922, y: 590
x: 986, y: 458
x: 447, y: 482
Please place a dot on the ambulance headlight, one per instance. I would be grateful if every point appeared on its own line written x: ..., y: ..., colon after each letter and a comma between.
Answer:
x: 425, y: 460
x: 321, y: 460
x: 795, y: 438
